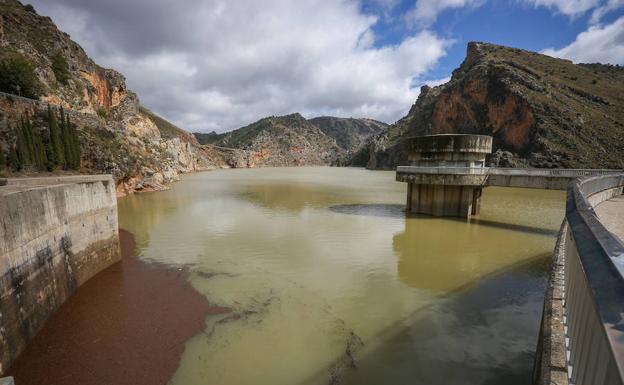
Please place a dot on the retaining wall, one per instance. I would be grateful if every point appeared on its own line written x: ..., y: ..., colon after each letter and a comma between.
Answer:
x: 55, y: 234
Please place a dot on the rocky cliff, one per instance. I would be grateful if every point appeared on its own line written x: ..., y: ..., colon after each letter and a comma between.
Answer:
x: 541, y: 111
x: 117, y: 134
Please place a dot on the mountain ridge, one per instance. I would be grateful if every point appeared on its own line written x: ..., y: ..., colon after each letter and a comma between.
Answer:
x: 294, y: 140
x: 541, y: 111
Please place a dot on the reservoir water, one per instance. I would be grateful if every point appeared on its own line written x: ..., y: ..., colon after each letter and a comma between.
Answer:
x: 329, y: 282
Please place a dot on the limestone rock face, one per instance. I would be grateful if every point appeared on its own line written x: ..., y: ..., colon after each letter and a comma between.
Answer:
x: 541, y: 111
x: 142, y: 150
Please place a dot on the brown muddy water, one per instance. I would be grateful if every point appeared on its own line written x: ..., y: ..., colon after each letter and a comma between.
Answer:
x: 328, y: 282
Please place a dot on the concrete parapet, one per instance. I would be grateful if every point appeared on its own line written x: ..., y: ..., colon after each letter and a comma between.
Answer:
x: 51, y: 180
x: 550, y: 361
x: 55, y: 234
x: 442, y: 179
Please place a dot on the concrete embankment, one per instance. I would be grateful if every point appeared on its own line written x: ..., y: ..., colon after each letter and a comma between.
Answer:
x: 55, y: 234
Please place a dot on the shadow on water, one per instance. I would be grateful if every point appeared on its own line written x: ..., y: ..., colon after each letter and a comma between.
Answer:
x: 485, y: 335
x: 398, y: 211
x: 482, y: 333
x: 374, y: 210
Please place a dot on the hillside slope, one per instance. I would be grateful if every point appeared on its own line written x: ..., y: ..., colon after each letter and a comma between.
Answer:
x: 292, y: 140
x: 117, y: 135
x: 351, y: 134
x: 288, y: 140
x: 542, y: 111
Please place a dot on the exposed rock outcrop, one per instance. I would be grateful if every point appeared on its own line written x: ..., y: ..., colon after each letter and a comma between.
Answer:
x: 542, y: 111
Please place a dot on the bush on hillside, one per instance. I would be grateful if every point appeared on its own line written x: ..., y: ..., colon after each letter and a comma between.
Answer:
x: 60, y: 68
x: 17, y: 76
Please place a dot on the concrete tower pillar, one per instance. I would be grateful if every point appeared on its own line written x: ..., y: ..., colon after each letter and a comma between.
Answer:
x: 434, y: 190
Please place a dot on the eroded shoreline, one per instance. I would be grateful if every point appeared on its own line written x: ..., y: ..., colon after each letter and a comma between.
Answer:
x: 126, y: 325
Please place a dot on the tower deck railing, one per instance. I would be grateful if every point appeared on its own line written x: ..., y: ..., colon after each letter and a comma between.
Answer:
x: 558, y: 172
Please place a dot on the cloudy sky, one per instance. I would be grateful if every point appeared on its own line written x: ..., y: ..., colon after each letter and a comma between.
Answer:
x: 221, y: 64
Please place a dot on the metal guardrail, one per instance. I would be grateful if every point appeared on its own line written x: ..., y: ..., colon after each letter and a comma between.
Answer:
x: 23, y: 98
x: 560, y: 172
x: 594, y: 287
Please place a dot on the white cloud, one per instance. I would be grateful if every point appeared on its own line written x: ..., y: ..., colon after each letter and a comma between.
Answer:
x: 604, y: 9
x: 425, y: 12
x: 600, y: 43
x: 219, y: 64
x: 569, y: 8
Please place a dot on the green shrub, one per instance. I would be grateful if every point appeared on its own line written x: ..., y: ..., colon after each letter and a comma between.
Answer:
x: 60, y: 68
x: 17, y: 76
x: 102, y: 113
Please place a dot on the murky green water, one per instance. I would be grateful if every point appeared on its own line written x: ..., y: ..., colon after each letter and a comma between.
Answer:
x: 329, y: 281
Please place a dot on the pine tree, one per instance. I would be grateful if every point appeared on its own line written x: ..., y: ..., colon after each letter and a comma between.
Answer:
x: 25, y: 126
x: 66, y: 139
x: 34, y: 144
x: 2, y: 160
x: 56, y: 154
x: 23, y: 151
x: 41, y: 159
x: 75, y: 143
x: 13, y: 160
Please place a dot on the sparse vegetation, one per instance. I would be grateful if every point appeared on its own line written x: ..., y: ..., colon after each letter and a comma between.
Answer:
x: 102, y: 113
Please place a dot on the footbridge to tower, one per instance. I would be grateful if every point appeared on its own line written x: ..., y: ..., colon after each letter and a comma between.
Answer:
x: 447, y: 175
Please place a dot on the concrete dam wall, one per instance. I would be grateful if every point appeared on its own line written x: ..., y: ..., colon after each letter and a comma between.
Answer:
x: 55, y: 234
